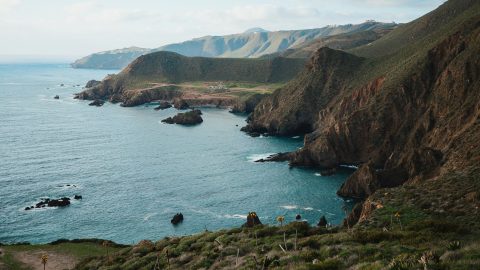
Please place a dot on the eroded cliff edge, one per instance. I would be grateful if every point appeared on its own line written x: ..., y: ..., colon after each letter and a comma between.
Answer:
x: 405, y: 108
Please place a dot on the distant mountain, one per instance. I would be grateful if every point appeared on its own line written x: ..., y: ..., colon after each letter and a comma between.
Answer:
x: 256, y: 30
x: 114, y: 59
x: 255, y: 42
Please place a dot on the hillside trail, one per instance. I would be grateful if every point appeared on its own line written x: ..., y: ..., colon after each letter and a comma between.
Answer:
x: 56, y: 261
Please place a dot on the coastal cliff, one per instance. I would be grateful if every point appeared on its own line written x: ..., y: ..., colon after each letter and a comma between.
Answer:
x: 158, y: 76
x: 406, y: 106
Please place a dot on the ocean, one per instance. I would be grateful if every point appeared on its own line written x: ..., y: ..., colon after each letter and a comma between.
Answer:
x: 134, y: 172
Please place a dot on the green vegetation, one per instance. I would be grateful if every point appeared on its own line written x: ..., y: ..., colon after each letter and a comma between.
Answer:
x: 244, y: 45
x: 76, y: 250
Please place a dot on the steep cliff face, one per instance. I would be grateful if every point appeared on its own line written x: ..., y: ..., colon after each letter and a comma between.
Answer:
x: 403, y: 112
x: 294, y: 108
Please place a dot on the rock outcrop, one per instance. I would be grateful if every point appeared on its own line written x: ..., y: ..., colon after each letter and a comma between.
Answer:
x: 252, y: 220
x: 362, y: 183
x: 192, y: 117
x: 163, y: 105
x: 92, y: 83
x: 407, y: 106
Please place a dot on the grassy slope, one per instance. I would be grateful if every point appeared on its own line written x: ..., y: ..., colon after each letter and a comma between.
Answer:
x: 79, y: 251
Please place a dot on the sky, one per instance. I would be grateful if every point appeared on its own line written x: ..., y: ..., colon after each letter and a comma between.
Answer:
x: 68, y: 29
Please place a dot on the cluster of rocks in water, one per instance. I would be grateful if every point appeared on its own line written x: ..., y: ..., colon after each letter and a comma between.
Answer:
x: 97, y: 102
x: 177, y: 218
x: 253, y: 220
x: 192, y: 117
x: 47, y: 202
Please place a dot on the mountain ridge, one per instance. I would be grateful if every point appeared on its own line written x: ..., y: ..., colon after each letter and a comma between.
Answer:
x: 243, y: 45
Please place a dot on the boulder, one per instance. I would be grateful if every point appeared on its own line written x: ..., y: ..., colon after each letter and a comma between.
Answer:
x: 177, y: 218
x: 78, y: 197
x: 192, y: 117
x: 92, y: 83
x: 97, y: 102
x: 56, y: 97
x: 322, y: 222
x: 252, y: 220
x: 163, y: 105
x: 298, y: 217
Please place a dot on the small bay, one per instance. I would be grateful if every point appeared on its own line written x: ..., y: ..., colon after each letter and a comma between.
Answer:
x: 134, y: 172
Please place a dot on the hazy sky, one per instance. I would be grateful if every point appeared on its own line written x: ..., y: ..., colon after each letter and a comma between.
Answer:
x: 72, y: 28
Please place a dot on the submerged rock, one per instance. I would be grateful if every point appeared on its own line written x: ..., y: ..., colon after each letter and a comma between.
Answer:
x: 252, y: 220
x: 163, y: 105
x: 97, y: 102
x: 177, y: 218
x: 189, y: 118
x: 78, y: 197
x: 56, y: 97
x: 298, y: 217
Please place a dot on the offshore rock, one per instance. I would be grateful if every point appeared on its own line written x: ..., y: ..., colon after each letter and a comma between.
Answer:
x: 192, y: 117
x: 177, y: 218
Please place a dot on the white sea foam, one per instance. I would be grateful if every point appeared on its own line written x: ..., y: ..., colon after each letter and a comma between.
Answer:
x: 148, y: 216
x: 289, y: 207
x: 318, y: 174
x: 349, y: 166
x: 295, y: 137
x: 235, y: 216
x: 255, y: 157
x: 308, y: 209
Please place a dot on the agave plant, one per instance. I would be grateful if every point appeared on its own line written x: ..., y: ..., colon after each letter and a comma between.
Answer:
x: 454, y: 245
x: 402, y: 262
x: 44, y: 260
x: 427, y: 259
x: 280, y: 219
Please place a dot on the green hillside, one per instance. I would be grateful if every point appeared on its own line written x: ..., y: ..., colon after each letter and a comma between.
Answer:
x: 250, y: 44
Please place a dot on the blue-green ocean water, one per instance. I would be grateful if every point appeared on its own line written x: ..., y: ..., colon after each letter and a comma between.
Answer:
x: 133, y: 171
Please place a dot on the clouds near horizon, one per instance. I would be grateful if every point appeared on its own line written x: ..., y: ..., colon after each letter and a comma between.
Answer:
x: 74, y: 28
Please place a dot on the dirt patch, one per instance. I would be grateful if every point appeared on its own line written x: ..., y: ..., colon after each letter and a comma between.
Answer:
x: 56, y: 261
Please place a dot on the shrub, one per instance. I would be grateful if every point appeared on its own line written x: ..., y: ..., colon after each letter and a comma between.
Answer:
x: 328, y: 264
x: 374, y: 236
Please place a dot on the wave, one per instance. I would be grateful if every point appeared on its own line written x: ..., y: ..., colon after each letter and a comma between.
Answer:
x: 318, y: 174
x: 349, y: 166
x: 148, y: 216
x: 255, y: 157
x: 289, y: 207
x: 308, y: 208
x: 296, y: 137
x: 235, y: 216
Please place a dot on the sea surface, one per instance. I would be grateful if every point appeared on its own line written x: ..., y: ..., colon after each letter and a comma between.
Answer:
x: 133, y: 171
